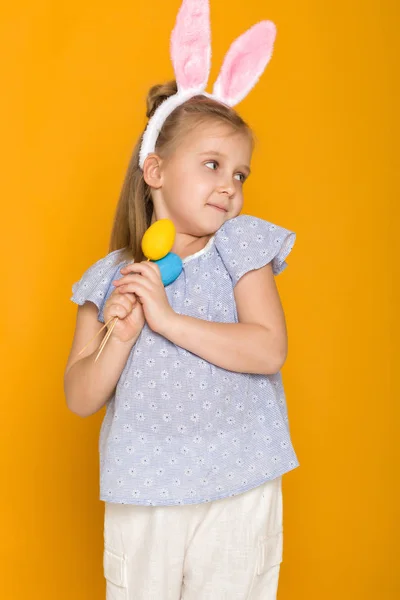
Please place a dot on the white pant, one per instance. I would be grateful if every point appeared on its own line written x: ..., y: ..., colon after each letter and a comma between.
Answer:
x: 228, y: 549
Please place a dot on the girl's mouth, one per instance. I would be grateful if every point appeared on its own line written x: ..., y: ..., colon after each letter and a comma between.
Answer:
x: 220, y: 208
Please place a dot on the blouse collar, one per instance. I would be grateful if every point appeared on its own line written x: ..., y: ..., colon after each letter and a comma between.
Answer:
x: 200, y: 252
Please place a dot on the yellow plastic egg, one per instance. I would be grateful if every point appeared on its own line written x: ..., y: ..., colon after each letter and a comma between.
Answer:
x: 158, y: 239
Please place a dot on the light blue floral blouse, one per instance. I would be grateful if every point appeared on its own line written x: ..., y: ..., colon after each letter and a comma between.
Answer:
x: 180, y: 430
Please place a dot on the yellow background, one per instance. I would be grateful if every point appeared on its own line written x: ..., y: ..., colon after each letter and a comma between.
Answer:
x: 74, y: 80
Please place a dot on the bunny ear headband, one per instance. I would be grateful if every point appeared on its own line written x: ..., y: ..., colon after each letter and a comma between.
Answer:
x: 190, y: 50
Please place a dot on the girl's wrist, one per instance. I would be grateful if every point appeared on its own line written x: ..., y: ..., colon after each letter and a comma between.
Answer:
x: 123, y: 343
x: 168, y: 324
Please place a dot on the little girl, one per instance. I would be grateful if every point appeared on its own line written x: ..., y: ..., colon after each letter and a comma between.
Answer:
x: 195, y: 438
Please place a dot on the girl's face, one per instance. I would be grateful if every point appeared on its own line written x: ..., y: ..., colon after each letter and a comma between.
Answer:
x: 202, y: 181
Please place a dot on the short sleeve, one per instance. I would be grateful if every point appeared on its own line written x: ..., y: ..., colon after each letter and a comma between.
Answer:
x: 95, y: 285
x: 246, y: 243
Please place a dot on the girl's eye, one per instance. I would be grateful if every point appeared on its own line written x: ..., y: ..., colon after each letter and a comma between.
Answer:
x: 243, y: 177
x: 214, y: 163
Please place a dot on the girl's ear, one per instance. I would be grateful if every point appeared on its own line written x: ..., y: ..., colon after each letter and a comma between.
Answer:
x: 190, y: 45
x: 152, y: 171
x: 245, y: 62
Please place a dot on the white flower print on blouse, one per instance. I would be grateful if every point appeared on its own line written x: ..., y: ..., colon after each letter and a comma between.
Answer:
x: 174, y: 418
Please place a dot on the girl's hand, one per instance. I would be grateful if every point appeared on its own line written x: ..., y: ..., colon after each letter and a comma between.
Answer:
x: 144, y: 280
x: 130, y: 316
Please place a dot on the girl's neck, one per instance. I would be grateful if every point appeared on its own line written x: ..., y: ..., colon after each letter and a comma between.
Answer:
x: 186, y: 245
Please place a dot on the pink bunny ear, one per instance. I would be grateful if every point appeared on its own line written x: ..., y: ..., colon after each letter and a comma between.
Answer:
x: 190, y: 45
x: 244, y: 63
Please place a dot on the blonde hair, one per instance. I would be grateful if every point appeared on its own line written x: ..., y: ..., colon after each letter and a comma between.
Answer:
x: 135, y: 206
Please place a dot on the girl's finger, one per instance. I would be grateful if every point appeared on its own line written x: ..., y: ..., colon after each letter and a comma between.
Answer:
x: 153, y: 267
x: 128, y: 295
x: 145, y: 268
x: 132, y: 278
x: 120, y: 299
x: 138, y: 288
x: 132, y: 297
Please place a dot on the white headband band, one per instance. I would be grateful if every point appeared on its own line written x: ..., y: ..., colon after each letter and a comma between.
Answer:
x: 190, y: 50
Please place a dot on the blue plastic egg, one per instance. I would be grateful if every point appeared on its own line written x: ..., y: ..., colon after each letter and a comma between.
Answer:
x: 170, y: 267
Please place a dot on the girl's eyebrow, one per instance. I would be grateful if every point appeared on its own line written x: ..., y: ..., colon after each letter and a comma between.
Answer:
x: 216, y: 153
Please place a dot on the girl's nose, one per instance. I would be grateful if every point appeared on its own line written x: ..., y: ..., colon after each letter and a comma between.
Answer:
x: 226, y: 189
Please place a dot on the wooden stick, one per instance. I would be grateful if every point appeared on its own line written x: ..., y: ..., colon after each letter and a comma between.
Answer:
x: 105, y: 325
x: 103, y: 343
